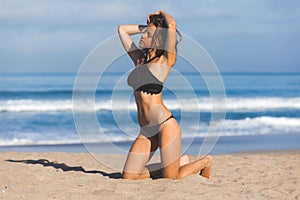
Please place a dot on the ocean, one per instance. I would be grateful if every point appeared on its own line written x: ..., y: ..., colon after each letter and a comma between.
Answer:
x: 37, y: 110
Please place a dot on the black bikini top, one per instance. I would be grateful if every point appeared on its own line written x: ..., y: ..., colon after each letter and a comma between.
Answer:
x: 141, y: 79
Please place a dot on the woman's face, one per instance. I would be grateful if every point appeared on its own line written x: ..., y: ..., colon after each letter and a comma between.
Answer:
x: 146, y: 40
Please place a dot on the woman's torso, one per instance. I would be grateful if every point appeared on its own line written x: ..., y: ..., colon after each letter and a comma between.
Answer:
x: 150, y: 106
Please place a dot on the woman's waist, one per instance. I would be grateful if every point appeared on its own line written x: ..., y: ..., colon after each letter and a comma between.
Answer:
x: 147, y: 99
x: 152, y: 114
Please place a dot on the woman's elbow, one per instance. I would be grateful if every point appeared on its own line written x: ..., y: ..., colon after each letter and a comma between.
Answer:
x: 120, y: 28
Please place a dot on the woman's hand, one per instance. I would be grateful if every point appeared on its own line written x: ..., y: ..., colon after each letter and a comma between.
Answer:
x: 154, y: 13
x: 168, y: 19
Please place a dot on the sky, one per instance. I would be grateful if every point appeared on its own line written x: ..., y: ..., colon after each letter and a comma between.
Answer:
x: 53, y: 36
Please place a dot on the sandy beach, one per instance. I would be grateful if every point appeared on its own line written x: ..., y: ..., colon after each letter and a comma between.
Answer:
x: 255, y: 175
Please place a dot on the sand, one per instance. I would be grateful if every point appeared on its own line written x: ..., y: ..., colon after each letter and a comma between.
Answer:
x: 256, y: 175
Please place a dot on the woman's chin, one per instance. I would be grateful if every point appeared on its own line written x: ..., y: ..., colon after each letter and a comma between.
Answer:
x: 143, y: 45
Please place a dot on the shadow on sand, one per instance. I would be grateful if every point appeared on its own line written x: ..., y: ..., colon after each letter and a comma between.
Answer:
x: 66, y: 168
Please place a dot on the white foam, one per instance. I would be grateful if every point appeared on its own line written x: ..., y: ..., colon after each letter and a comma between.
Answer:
x: 248, y: 126
x: 95, y: 139
x: 232, y: 104
x: 262, y: 103
x: 35, y: 105
x: 261, y: 125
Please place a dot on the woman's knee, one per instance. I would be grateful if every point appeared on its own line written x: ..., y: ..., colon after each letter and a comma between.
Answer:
x: 134, y: 176
x: 171, y: 176
x: 170, y: 172
x: 130, y: 176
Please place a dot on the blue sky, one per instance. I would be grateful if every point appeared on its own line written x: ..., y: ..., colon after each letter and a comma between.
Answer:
x: 241, y: 36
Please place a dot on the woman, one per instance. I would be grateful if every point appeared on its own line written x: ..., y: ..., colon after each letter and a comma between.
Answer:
x: 154, y: 60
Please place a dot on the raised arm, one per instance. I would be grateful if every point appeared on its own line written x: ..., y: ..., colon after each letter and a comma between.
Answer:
x: 133, y: 51
x: 171, y: 39
x: 170, y: 44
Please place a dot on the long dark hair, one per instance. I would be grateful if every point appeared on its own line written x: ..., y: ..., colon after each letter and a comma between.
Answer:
x: 160, y: 35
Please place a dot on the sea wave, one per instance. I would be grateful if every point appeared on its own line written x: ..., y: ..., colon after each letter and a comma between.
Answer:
x: 64, y: 141
x: 26, y: 141
x: 248, y: 126
x: 233, y: 104
x: 264, y: 125
x: 261, y: 125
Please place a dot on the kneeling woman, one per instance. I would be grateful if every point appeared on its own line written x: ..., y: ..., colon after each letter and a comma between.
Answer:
x: 153, y: 62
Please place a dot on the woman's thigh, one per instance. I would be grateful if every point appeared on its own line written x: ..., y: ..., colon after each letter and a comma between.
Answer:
x: 170, y: 144
x: 140, y: 153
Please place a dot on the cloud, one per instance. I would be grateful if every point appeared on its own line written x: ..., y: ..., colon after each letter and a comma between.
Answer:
x: 53, y: 32
x: 64, y: 12
x: 43, y: 35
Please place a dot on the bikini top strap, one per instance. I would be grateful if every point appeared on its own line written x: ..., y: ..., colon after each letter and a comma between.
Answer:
x: 157, y: 56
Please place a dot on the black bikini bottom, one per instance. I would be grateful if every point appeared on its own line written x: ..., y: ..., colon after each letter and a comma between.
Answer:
x: 152, y: 130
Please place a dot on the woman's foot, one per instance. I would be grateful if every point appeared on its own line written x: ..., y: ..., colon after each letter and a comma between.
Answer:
x: 206, y: 172
x: 184, y: 160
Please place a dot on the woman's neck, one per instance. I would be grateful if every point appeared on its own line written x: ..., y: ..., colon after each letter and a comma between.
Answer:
x: 151, y: 54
